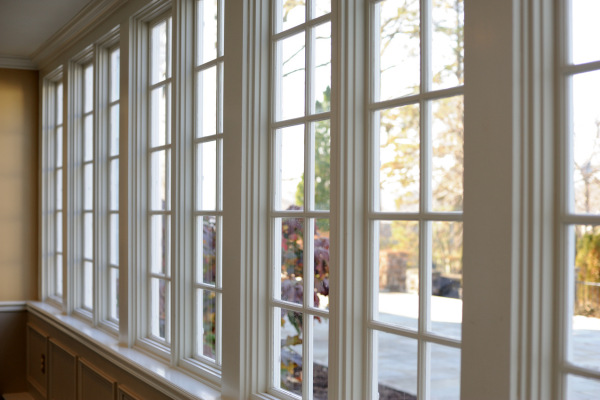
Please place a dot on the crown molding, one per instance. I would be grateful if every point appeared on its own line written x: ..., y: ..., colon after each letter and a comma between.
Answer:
x: 87, y: 19
x: 16, y: 62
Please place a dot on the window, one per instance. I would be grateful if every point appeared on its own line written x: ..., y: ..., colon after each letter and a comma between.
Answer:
x: 416, y: 120
x: 55, y: 159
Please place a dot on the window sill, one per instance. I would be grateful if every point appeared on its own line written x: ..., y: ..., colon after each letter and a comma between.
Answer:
x: 168, y: 380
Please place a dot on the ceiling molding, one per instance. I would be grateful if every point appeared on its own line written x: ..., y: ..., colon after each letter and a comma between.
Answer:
x: 16, y: 62
x: 87, y: 19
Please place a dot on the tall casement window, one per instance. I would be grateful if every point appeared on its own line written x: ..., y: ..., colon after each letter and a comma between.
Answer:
x: 55, y: 190
x: 159, y: 182
x: 300, y: 201
x: 580, y: 203
x: 208, y: 150
x: 416, y: 198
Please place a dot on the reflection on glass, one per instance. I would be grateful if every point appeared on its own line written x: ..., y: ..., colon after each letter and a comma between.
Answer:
x: 320, y: 358
x: 448, y: 44
x: 59, y: 275
x: 396, y: 367
x: 322, y: 67
x: 446, y: 279
x: 448, y: 154
x: 88, y: 277
x: 158, y: 182
x: 114, y: 294
x: 158, y: 53
x: 292, y: 337
x: 293, y: 13
x: 586, y: 142
x: 59, y: 147
x: 88, y: 141
x: 160, y: 244
x: 292, y: 259
x: 322, y: 165
x: 207, y: 102
x: 399, y: 273
x: 88, y: 88
x: 115, y: 68
x: 207, y: 306
x: 321, y: 264
x: 290, y: 70
x: 59, y: 231
x: 158, y: 117
x: 206, y: 197
x: 114, y: 239
x: 207, y: 31
x: 580, y: 388
x: 159, y: 307
x: 114, y: 130
x: 399, y: 158
x: 114, y: 185
x: 291, y: 167
x: 207, y: 230
x: 88, y: 235
x: 585, y: 30
x: 585, y: 330
x: 399, y: 46
x: 322, y: 7
x: 445, y: 372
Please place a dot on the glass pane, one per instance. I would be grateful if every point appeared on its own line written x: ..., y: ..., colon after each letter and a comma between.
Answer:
x: 88, y: 188
x: 207, y: 102
x: 399, y: 158
x: 293, y: 13
x: 398, y: 296
x: 114, y: 294
x: 59, y: 189
x: 159, y: 295
x: 321, y: 264
x: 585, y: 28
x: 290, y: 74
x: 160, y: 244
x: 322, y: 165
x: 322, y: 65
x: 59, y: 275
x: 585, y: 333
x: 445, y: 372
x: 158, y: 180
x: 396, y: 367
x: 206, y: 176
x: 586, y: 142
x: 448, y: 154
x: 207, y: 31
x: 88, y: 235
x: 207, y: 320
x: 322, y: 7
x: 114, y: 239
x: 59, y: 104
x: 158, y: 117
x: 114, y: 130
x: 399, y: 47
x: 88, y: 141
x: 114, y: 185
x: 59, y: 147
x: 320, y: 358
x: 207, y: 249
x: 292, y: 259
x: 88, y: 287
x: 115, y: 69
x: 448, y: 43
x: 579, y: 388
x: 88, y: 89
x: 59, y: 232
x: 158, y: 53
x: 291, y: 167
x: 446, y: 279
x: 292, y: 337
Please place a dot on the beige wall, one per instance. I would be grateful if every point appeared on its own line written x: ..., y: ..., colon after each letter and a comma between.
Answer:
x: 18, y: 184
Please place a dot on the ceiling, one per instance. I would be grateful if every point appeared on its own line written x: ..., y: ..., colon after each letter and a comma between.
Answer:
x: 26, y: 24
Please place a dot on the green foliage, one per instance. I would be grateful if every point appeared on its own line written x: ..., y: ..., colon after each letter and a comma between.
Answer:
x: 587, y: 264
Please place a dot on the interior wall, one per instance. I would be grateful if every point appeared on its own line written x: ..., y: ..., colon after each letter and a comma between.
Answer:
x: 12, y: 351
x: 19, y: 106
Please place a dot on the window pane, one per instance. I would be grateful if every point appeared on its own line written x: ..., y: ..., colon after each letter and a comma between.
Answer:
x: 399, y: 273
x: 207, y: 102
x: 114, y: 294
x: 158, y: 117
x: 88, y: 89
x: 207, y: 249
x: 59, y: 147
x: 580, y: 388
x: 114, y: 185
x: 59, y: 275
x: 292, y: 259
x: 88, y: 141
x: 88, y: 188
x: 115, y: 69
x: 448, y: 44
x: 293, y: 13
x: 320, y: 358
x: 158, y: 53
x: 445, y: 372
x: 290, y: 74
x: 586, y: 142
x: 322, y: 67
x: 114, y: 239
x: 207, y: 31
x: 585, y: 333
x: 446, y: 279
x: 59, y: 104
x: 160, y: 244
x: 399, y: 47
x: 585, y: 28
x: 292, y: 337
x: 159, y: 313
x: 291, y: 167
x: 59, y: 189
x: 158, y: 180
x: 399, y: 158
x: 207, y: 176
x: 207, y: 319
x: 322, y: 165
x: 88, y: 235
x: 114, y: 130
x: 322, y: 7
x: 448, y: 154
x: 321, y: 264
x: 59, y: 232
x: 396, y: 366
x: 88, y: 289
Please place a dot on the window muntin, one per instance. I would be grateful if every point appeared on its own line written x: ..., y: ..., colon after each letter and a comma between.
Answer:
x: 56, y: 145
x: 208, y: 156
x: 300, y: 198
x: 159, y: 181
x: 113, y: 185
x: 415, y: 218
